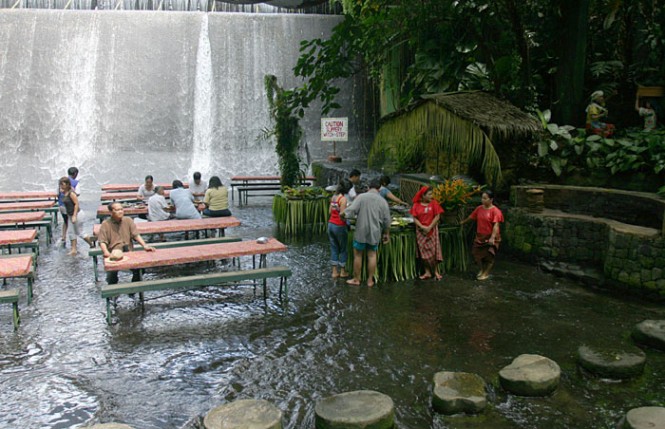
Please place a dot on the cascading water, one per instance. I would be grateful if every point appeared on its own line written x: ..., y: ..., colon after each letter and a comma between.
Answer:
x: 204, y: 109
x: 126, y: 94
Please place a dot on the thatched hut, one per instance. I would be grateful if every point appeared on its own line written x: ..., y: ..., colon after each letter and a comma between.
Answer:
x: 470, y: 133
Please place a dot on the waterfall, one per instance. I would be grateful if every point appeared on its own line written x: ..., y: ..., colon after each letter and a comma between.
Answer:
x: 124, y: 94
x: 204, y: 109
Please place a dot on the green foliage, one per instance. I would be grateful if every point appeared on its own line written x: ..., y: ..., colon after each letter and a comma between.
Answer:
x: 302, y: 215
x: 566, y: 150
x: 286, y: 131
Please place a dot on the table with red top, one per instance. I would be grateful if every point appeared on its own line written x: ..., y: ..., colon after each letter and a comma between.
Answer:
x: 116, y: 196
x: 49, y: 206
x: 21, y: 218
x: 28, y: 196
x: 245, y: 184
x: 19, y: 238
x: 13, y: 266
x: 26, y: 220
x: 181, y: 225
x: 127, y: 187
x: 132, y: 210
x: 185, y: 255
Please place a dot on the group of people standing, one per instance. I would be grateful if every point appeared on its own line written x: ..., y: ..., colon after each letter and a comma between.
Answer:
x: 372, y: 227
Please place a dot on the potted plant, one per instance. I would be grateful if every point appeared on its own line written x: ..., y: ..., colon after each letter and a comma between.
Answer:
x: 453, y: 195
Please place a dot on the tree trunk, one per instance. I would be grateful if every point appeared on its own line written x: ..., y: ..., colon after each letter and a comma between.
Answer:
x: 572, y: 40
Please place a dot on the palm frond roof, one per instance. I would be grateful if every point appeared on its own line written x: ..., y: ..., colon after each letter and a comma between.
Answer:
x: 496, y: 117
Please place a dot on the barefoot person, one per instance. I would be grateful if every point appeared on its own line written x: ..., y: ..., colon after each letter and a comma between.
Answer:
x: 338, y: 230
x: 118, y: 233
x: 372, y: 226
x: 70, y: 202
x: 426, y: 213
x: 488, y: 235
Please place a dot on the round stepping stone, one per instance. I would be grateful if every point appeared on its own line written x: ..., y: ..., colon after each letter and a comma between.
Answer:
x: 650, y: 333
x: 244, y: 414
x: 362, y: 409
x: 530, y: 375
x: 459, y: 392
x: 644, y: 418
x: 612, y: 363
x: 110, y: 426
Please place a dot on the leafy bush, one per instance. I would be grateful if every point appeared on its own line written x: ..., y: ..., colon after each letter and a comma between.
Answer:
x: 566, y: 149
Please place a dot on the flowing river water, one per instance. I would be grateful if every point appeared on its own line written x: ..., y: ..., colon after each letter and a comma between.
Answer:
x: 186, y: 353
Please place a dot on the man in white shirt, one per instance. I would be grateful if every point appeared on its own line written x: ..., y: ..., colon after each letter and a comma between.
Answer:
x: 157, y: 206
x: 198, y: 187
x: 183, y: 201
x: 354, y: 178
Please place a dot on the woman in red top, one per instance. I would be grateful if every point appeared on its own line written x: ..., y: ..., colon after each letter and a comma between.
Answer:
x: 426, y: 213
x: 488, y: 235
x: 338, y: 231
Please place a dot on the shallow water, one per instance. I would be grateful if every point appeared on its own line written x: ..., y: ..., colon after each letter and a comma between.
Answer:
x: 185, y: 353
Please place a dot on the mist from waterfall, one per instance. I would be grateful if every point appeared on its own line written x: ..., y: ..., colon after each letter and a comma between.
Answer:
x: 125, y: 94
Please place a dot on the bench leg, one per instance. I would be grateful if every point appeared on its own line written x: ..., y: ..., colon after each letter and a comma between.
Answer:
x: 29, y: 290
x: 265, y: 287
x: 108, y: 311
x: 94, y: 267
x: 16, y: 316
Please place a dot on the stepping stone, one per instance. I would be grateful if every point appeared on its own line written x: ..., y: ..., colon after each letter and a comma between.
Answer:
x: 530, y: 375
x: 459, y: 392
x: 362, y: 409
x: 644, y: 418
x: 110, y: 426
x: 650, y: 333
x: 612, y: 363
x: 244, y: 414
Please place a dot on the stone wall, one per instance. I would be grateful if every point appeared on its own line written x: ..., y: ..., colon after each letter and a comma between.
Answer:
x: 598, y: 250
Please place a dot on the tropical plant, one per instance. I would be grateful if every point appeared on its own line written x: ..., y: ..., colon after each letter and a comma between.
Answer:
x: 302, y: 215
x: 286, y: 130
x: 453, y: 194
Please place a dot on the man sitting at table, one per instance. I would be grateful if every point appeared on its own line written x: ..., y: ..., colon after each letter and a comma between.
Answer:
x: 183, y: 201
x: 198, y: 187
x: 117, y: 232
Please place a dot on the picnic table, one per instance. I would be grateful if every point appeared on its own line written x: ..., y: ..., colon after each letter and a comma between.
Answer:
x: 28, y: 196
x: 187, y: 255
x: 21, y: 218
x: 181, y: 225
x: 27, y: 206
x: 129, y: 196
x: 126, y: 187
x: 247, y: 184
x: 132, y: 210
x: 15, y: 266
x: 18, y: 239
x: 26, y: 220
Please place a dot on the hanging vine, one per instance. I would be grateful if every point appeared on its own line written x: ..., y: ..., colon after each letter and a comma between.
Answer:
x: 286, y: 130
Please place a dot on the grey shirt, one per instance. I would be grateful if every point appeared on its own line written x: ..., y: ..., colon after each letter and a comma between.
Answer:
x: 183, y: 200
x: 372, y: 217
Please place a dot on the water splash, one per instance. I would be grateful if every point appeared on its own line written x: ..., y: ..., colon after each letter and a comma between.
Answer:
x: 204, y: 109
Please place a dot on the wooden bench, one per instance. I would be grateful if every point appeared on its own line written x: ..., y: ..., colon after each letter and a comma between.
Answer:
x: 19, y: 270
x: 193, y: 282
x: 45, y: 223
x: 96, y: 253
x: 11, y: 297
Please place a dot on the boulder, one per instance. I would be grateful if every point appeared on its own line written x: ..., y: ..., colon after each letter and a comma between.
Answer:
x: 612, y: 363
x: 644, y: 418
x: 244, y: 414
x: 459, y: 392
x: 650, y: 333
x: 530, y: 375
x: 362, y: 409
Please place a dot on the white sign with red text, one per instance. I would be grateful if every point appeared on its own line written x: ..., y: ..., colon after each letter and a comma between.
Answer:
x: 334, y: 129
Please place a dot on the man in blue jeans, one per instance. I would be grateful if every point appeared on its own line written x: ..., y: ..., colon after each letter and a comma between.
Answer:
x: 372, y: 227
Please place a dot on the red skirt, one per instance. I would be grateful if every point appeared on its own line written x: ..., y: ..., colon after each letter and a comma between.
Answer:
x: 482, y: 251
x: 429, y: 246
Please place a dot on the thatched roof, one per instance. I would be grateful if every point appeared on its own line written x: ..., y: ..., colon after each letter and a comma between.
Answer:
x: 498, y: 118
x: 464, y: 125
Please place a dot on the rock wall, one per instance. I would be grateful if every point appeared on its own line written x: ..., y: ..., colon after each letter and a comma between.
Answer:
x: 597, y: 250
